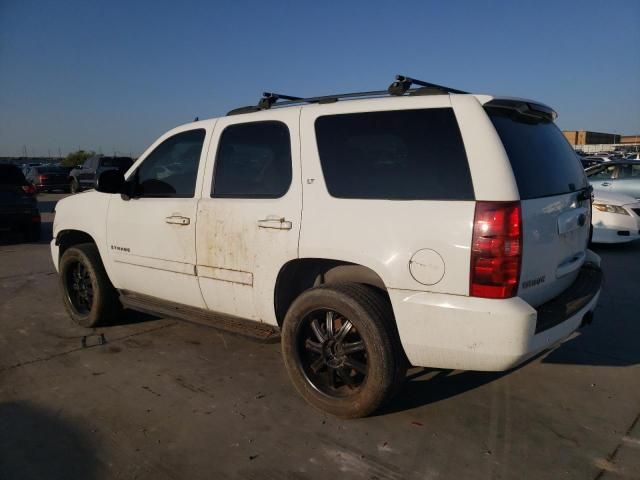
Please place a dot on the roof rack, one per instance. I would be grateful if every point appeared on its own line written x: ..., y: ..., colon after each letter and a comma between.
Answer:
x: 399, y: 87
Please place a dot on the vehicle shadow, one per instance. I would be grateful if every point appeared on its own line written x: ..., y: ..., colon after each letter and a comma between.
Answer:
x: 36, y: 444
x: 426, y: 386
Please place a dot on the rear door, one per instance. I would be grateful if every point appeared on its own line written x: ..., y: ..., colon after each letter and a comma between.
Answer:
x: 249, y: 213
x: 555, y: 203
x: 85, y: 176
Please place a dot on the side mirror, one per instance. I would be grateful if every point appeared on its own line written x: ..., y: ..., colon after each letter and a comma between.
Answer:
x: 110, y: 181
x: 129, y: 188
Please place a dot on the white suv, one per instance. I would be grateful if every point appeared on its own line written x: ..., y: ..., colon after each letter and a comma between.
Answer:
x: 425, y: 227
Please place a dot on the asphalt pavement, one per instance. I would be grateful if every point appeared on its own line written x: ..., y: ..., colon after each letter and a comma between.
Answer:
x: 163, y: 399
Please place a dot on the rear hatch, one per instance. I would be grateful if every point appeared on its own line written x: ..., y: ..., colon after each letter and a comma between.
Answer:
x: 555, y: 198
x: 53, y: 176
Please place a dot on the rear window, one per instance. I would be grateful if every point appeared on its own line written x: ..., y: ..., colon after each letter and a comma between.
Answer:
x: 11, y: 175
x: 396, y: 155
x: 51, y: 170
x: 543, y: 162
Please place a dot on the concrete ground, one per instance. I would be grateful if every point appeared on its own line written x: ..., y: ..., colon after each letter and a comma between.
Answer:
x: 169, y: 400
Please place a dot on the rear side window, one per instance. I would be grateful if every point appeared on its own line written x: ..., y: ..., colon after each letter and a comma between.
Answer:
x: 395, y: 155
x: 253, y: 161
x: 543, y: 162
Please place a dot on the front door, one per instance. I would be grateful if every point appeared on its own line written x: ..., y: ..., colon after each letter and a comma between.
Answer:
x: 249, y: 214
x: 151, y: 237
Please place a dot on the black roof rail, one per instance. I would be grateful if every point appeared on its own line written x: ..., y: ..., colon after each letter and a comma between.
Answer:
x: 403, y: 83
x: 399, y: 87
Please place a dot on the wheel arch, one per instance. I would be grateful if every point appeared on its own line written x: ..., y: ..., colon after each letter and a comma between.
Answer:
x: 70, y: 237
x: 300, y: 274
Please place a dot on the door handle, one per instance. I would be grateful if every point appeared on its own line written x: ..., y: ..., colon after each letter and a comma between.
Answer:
x: 605, y: 184
x: 274, y: 221
x: 177, y: 220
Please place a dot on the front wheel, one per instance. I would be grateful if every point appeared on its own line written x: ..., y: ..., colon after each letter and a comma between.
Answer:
x: 341, y: 349
x: 88, y: 295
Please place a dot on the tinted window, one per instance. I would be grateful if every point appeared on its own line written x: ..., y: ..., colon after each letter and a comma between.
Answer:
x: 402, y: 155
x: 120, y: 162
x: 11, y: 175
x: 51, y: 170
x: 253, y: 161
x: 171, y: 169
x: 542, y: 160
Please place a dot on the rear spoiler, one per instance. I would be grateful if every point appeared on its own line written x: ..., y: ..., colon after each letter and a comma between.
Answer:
x: 524, y: 107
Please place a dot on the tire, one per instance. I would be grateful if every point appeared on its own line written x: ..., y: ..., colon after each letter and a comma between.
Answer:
x: 94, y: 301
x: 327, y: 377
x: 74, y: 186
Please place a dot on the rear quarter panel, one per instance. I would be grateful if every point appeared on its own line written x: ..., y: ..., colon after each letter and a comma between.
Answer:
x: 382, y: 234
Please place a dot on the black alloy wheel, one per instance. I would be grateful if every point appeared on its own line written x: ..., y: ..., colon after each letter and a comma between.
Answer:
x: 331, y: 353
x: 79, y: 288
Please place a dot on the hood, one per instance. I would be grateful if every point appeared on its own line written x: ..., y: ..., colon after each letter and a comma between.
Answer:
x: 609, y: 198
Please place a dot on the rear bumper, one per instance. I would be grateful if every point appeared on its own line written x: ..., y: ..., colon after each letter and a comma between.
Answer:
x: 51, y: 186
x: 20, y: 219
x: 467, y: 333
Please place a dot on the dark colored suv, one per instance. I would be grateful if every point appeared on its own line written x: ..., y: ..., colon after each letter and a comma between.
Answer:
x: 46, y: 178
x: 18, y: 205
x: 85, y: 176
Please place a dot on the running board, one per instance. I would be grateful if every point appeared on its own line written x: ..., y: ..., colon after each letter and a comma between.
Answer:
x: 228, y: 323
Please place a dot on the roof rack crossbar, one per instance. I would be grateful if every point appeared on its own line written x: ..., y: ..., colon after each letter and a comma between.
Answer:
x: 403, y: 83
x: 269, y: 98
x: 399, y: 87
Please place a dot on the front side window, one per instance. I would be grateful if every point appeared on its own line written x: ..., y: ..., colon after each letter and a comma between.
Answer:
x: 253, y: 161
x: 395, y: 155
x: 171, y: 169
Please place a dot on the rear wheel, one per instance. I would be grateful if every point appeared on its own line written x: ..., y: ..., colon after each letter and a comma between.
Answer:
x: 88, y: 295
x: 341, y: 349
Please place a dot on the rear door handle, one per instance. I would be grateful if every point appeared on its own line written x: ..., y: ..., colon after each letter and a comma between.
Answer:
x: 605, y: 184
x: 177, y: 220
x: 274, y: 221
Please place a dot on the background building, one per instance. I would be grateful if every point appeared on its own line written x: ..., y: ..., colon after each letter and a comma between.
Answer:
x: 583, y: 137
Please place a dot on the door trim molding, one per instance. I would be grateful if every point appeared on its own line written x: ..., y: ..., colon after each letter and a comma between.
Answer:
x: 156, y: 263
x: 225, y: 275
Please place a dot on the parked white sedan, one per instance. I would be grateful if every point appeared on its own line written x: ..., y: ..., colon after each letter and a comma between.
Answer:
x: 616, y: 218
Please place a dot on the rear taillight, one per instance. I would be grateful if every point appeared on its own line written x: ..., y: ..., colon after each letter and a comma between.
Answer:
x: 496, y: 250
x: 29, y: 189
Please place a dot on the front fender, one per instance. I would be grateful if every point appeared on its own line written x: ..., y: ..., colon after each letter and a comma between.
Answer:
x: 87, y: 213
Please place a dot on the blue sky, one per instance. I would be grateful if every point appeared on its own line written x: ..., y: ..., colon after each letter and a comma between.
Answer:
x: 115, y: 75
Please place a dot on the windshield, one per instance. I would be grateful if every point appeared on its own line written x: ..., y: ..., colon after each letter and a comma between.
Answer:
x: 543, y: 162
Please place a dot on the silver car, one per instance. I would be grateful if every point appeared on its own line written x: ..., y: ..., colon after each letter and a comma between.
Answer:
x: 622, y: 176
